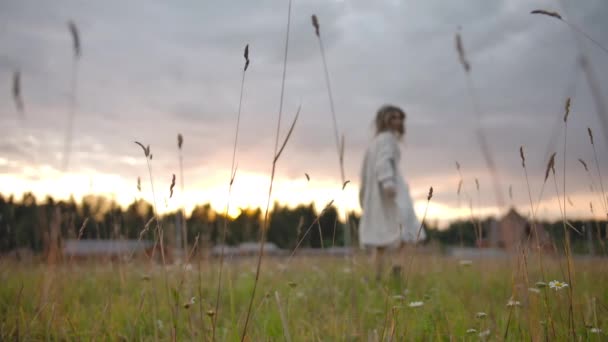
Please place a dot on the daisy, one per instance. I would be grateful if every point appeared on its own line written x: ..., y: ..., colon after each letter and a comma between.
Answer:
x: 557, y: 285
x: 471, y: 331
x: 481, y: 315
x: 416, y: 304
x: 595, y: 330
x: 512, y: 302
x: 465, y: 262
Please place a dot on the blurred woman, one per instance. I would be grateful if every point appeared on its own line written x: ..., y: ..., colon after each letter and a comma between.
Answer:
x: 388, y: 218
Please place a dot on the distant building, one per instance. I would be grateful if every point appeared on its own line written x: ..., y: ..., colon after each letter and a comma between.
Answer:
x: 513, y: 230
x: 246, y: 249
x: 110, y: 249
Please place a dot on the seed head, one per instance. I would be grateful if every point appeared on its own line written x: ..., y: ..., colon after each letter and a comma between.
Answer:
x: 430, y: 194
x: 584, y: 164
x: 180, y: 141
x: 523, y: 158
x: 461, y: 54
x: 315, y: 24
x: 75, y: 38
x: 146, y: 149
x: 550, y: 165
x: 459, y: 187
x: 246, y: 55
x: 590, y: 134
x: 567, y: 108
x: 172, y: 186
x: 17, y: 91
x: 344, y: 185
x: 549, y: 13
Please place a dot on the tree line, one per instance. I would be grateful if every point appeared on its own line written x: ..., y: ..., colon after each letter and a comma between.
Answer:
x: 27, y: 223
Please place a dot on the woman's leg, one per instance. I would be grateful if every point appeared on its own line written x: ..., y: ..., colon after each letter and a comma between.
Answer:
x: 380, y: 251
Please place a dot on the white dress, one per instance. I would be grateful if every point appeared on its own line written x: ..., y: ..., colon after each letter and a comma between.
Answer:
x: 385, y: 221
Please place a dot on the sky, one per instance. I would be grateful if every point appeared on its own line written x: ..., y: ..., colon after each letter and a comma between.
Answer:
x: 152, y: 69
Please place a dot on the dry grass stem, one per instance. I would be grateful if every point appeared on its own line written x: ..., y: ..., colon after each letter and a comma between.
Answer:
x: 272, y: 174
x: 17, y: 97
x: 233, y: 169
x: 172, y: 186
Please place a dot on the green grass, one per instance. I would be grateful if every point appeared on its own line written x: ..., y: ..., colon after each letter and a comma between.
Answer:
x: 328, y: 299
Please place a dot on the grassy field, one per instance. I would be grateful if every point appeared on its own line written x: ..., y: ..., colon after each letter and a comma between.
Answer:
x: 310, y: 299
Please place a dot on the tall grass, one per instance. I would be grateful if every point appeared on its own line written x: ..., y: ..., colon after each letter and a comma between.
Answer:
x: 77, y: 52
x: 590, y: 75
x: 275, y: 156
x: 233, y: 168
x: 93, y: 301
x: 479, y: 131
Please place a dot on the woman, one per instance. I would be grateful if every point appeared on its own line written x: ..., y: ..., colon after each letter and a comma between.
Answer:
x: 388, y: 216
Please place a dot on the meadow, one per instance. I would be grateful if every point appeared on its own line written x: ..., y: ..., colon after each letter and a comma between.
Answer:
x: 310, y: 298
x: 552, y: 297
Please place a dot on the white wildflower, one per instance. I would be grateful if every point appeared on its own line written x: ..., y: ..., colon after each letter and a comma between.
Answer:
x: 595, y: 330
x: 471, y: 331
x: 533, y: 289
x: 465, y: 262
x: 160, y: 324
x: 415, y: 304
x: 398, y: 297
x: 481, y: 315
x: 512, y: 302
x: 557, y: 285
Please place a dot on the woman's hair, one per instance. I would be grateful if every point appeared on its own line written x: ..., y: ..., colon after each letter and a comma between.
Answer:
x: 383, y: 117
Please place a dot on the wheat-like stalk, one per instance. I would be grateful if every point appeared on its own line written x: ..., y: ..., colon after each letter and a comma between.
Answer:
x: 180, y: 142
x: 559, y: 17
x: 409, y: 267
x: 590, y: 75
x: 17, y: 96
x: 480, y: 133
x: 272, y: 174
x: 159, y: 230
x: 233, y: 168
x: 77, y: 53
x: 604, y: 199
x: 534, y: 226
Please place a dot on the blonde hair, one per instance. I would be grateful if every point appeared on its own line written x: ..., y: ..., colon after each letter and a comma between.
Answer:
x: 383, y: 117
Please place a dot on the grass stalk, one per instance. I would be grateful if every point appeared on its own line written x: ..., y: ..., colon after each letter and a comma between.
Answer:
x: 272, y: 173
x: 409, y: 267
x: 284, y: 322
x: 604, y: 199
x: 479, y: 131
x: 73, y: 89
x: 232, y: 175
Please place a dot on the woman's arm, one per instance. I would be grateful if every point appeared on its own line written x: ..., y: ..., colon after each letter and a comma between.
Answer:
x: 385, y: 164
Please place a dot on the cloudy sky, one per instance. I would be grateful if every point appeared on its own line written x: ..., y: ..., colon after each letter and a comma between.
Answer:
x: 152, y: 69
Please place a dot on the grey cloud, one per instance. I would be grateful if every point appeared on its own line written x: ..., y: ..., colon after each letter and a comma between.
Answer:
x: 153, y: 69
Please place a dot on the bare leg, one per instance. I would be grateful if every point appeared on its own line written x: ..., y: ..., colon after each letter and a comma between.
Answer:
x: 379, y: 262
